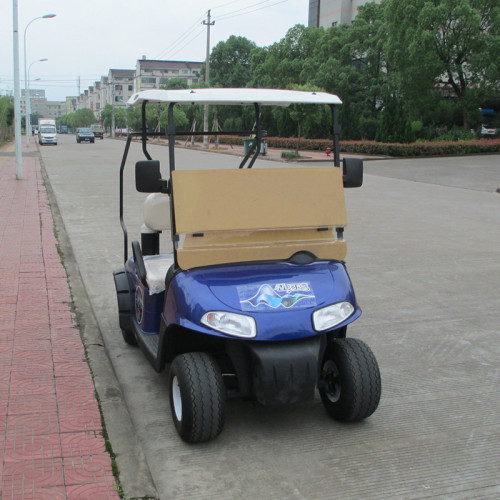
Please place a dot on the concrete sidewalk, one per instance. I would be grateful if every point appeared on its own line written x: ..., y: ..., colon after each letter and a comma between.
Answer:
x: 51, y: 431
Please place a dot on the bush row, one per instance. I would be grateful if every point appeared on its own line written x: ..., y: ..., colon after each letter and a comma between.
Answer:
x: 422, y: 148
x: 379, y: 148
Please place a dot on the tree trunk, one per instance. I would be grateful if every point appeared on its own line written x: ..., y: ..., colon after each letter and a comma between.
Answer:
x: 298, y: 138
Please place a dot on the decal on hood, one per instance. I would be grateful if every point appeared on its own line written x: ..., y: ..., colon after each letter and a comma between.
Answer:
x: 276, y: 296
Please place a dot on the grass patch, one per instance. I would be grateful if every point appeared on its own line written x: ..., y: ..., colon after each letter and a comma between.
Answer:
x: 290, y: 155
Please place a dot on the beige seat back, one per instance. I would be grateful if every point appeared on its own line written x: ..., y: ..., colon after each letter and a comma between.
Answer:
x: 225, y: 216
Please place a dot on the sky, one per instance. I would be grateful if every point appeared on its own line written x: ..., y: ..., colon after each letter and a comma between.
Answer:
x: 89, y: 37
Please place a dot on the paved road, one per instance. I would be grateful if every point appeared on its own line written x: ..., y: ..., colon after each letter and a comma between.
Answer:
x: 424, y: 258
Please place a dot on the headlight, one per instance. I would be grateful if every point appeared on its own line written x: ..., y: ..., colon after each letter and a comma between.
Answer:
x: 237, y: 325
x: 332, y: 315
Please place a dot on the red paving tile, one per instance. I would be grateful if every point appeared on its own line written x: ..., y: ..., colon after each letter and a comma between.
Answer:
x: 91, y: 492
x: 87, y: 469
x: 50, y: 424
x: 27, y: 445
x: 77, y: 444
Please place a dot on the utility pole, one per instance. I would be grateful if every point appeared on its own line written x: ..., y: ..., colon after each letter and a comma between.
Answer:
x: 17, y: 95
x: 207, y: 23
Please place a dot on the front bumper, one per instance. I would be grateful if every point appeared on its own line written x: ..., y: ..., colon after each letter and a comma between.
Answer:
x: 276, y: 373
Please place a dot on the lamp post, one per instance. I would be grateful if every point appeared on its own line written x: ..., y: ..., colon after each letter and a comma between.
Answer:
x: 28, y: 100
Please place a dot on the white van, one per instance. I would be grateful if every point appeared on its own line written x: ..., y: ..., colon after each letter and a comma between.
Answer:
x: 47, y: 131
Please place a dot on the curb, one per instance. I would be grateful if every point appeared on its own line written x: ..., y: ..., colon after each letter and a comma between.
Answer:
x: 133, y: 471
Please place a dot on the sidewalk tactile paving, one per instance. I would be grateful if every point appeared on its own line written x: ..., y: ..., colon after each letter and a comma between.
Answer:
x: 50, y: 424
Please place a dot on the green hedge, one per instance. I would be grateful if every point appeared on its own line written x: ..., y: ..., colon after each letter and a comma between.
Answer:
x: 422, y: 148
x: 379, y: 148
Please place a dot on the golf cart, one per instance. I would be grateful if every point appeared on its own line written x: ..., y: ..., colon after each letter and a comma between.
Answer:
x: 254, y: 299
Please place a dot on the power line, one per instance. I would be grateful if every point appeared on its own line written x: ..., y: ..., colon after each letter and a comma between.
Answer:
x: 181, y: 38
x: 187, y: 43
x: 227, y: 3
x: 231, y: 15
x: 242, y: 8
x: 194, y: 28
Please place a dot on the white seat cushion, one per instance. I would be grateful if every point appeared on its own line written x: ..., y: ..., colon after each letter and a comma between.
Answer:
x: 156, y: 271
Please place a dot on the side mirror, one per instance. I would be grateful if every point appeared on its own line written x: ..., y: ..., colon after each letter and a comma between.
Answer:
x: 148, y: 177
x: 352, y: 172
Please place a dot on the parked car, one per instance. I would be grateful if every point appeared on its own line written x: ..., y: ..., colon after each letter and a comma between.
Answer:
x: 488, y: 130
x: 85, y: 135
x: 121, y: 132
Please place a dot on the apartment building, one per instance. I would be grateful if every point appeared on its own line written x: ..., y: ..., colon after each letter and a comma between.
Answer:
x: 153, y: 74
x: 326, y: 13
x: 34, y: 94
x: 118, y: 86
x: 47, y: 109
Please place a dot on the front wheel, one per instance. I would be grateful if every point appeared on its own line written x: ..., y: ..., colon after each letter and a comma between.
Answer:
x: 124, y: 306
x: 197, y: 397
x: 350, y: 385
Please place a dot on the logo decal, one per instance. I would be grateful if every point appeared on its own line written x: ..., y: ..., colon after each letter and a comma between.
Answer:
x: 276, y: 296
x: 139, y: 304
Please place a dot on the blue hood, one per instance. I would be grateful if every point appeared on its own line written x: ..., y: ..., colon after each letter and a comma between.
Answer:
x: 280, y: 296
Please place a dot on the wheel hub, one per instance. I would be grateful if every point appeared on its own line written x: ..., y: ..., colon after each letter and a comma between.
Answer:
x: 176, y: 399
x: 330, y: 375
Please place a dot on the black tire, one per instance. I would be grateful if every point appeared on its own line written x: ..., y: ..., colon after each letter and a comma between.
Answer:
x: 197, y: 397
x: 124, y: 306
x: 350, y: 380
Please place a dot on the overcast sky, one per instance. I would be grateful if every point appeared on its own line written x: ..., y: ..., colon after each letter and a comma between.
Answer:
x: 88, y: 37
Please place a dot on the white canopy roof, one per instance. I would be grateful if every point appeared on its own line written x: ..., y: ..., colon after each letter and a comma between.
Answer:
x: 267, y: 97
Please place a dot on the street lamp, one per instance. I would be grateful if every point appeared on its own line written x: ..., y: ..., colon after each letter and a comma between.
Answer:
x: 28, y: 110
x: 28, y: 101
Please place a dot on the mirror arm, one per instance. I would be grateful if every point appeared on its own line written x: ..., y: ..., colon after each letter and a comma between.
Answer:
x: 144, y: 137
x: 336, y: 134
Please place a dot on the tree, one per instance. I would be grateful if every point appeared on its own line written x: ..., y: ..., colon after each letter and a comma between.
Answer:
x: 175, y: 83
x: 394, y: 126
x: 353, y: 64
x: 80, y: 118
x: 6, y: 119
x: 299, y: 112
x: 453, y: 44
x: 230, y: 63
x: 290, y: 61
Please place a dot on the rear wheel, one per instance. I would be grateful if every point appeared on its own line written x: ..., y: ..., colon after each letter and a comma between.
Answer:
x: 197, y: 397
x: 350, y: 380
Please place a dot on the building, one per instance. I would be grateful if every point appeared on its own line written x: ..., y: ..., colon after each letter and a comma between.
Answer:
x: 34, y: 94
x: 120, y: 87
x: 326, y: 13
x: 48, y: 109
x: 70, y: 105
x: 153, y: 74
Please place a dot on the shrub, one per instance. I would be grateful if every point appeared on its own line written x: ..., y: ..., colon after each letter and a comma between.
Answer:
x: 290, y: 155
x: 476, y: 146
